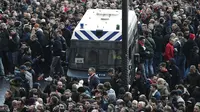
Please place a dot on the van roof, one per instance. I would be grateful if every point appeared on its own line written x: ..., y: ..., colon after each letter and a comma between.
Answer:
x: 104, y: 20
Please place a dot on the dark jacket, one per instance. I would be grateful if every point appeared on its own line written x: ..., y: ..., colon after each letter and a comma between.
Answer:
x: 179, y: 46
x: 192, y: 80
x: 13, y: 44
x: 196, y: 94
x: 40, y: 35
x: 67, y: 36
x: 158, y: 37
x: 8, y: 102
x: 188, y: 47
x: 115, y: 83
x: 165, y: 75
x: 57, y: 47
x: 175, y: 72
x: 139, y: 85
x: 4, y: 37
x: 194, y: 58
x: 93, y: 82
x: 143, y: 52
x: 36, y: 49
x: 75, y: 96
x: 150, y: 46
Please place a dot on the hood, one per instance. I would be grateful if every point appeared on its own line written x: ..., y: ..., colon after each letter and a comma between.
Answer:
x: 39, y: 29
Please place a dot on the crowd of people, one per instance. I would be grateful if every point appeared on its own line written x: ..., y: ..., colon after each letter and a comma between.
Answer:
x: 35, y: 36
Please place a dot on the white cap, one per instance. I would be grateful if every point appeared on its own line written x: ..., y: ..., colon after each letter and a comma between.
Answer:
x: 43, y: 21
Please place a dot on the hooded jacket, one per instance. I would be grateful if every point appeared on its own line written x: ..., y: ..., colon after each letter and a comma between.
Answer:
x: 169, y: 52
x: 57, y: 47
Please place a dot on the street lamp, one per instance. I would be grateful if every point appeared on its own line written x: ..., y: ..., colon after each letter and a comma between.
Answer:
x: 125, y: 56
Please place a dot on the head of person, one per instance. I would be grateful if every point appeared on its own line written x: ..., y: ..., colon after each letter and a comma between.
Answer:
x: 59, y: 85
x: 111, y: 108
x: 153, y: 102
x: 8, y: 94
x: 36, y: 26
x: 111, y: 72
x: 91, y: 71
x: 172, y: 40
x: 163, y: 66
x: 187, y: 33
x: 135, y: 104
x: 23, y: 68
x: 196, y: 49
x: 20, y: 104
x: 68, y: 93
x: 197, y: 107
x: 153, y: 87
x: 141, y: 105
x: 96, y: 105
x: 161, y: 83
x: 33, y: 38
x: 28, y: 65
x: 107, y: 86
x: 128, y: 97
x: 199, y: 67
x: 192, y: 69
x: 87, y: 104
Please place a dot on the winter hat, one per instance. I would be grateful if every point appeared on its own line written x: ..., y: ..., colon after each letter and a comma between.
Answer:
x: 43, y: 21
x: 192, y: 36
x: 36, y: 85
x: 22, y: 67
x: 80, y: 84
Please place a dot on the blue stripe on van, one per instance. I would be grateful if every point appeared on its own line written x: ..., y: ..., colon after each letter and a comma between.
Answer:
x: 78, y: 36
x: 111, y: 35
x: 87, y: 35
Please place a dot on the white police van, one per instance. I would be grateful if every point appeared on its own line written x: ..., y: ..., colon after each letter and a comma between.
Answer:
x: 97, y: 42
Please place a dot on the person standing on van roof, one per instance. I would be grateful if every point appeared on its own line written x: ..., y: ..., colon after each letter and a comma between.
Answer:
x: 93, y: 79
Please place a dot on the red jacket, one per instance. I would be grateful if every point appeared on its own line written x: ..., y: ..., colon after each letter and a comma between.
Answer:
x: 169, y: 52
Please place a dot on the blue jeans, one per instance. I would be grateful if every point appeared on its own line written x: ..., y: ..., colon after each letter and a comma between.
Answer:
x: 180, y: 62
x: 157, y: 60
x: 1, y: 67
x: 149, y: 67
x: 186, y: 72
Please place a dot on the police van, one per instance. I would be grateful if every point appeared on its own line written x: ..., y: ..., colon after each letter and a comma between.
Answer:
x: 97, y: 42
